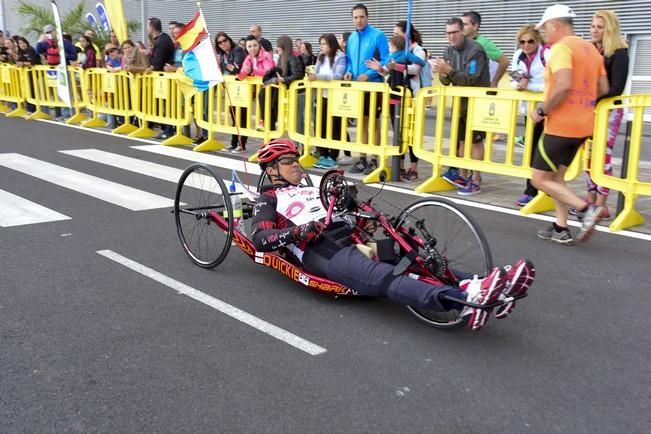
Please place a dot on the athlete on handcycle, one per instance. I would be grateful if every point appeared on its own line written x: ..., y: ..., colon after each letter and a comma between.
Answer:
x: 290, y: 216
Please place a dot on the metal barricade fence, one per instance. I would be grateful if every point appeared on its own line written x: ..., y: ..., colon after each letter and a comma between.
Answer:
x: 158, y: 98
x: 78, y: 88
x: 41, y: 90
x: 11, y: 90
x: 109, y: 93
x: 629, y: 185
x: 337, y: 102
x: 234, y: 107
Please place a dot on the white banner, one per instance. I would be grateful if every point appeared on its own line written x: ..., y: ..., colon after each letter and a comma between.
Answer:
x: 63, y: 88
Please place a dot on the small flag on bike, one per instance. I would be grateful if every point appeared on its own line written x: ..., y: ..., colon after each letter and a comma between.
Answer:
x: 192, y: 33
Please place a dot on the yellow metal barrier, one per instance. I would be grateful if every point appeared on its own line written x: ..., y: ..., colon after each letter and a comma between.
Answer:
x: 631, y: 186
x: 158, y: 98
x: 233, y: 107
x: 109, y: 93
x: 78, y: 88
x: 345, y: 100
x: 40, y: 89
x: 11, y: 90
x: 489, y: 110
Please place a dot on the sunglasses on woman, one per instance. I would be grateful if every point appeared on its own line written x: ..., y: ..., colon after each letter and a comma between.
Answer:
x: 528, y: 41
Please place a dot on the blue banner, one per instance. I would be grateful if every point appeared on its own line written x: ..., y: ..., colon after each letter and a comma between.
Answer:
x: 103, y: 17
x: 92, y: 21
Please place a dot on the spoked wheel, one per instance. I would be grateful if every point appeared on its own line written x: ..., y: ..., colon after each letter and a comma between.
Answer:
x: 264, y: 180
x: 460, y: 245
x: 198, y: 192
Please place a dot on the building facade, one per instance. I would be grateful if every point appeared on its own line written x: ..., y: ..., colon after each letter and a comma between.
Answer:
x: 308, y: 19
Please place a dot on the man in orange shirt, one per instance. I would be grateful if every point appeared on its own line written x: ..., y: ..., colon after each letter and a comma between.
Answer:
x: 574, y: 77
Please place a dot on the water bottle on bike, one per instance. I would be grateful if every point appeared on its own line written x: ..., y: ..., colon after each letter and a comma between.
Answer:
x: 236, y: 203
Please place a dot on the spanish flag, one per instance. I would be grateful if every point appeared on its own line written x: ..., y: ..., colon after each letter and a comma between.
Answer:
x: 192, y: 33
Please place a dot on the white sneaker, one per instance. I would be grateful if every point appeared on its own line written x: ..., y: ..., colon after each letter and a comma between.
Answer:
x: 237, y: 150
x: 345, y: 160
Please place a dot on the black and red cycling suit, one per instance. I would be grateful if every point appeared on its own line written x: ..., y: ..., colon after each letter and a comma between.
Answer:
x: 340, y: 261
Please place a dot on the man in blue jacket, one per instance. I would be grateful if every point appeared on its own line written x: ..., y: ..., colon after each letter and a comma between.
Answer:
x: 364, y: 44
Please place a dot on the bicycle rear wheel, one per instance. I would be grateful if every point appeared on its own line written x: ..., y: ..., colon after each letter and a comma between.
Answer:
x: 198, y: 192
x: 459, y: 240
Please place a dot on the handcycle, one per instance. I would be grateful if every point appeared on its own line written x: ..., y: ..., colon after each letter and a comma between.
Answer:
x: 431, y: 239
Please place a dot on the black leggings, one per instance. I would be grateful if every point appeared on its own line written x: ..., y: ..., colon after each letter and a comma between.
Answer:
x: 351, y: 268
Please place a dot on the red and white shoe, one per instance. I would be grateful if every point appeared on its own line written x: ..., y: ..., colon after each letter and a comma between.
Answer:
x: 484, y: 292
x: 519, y: 278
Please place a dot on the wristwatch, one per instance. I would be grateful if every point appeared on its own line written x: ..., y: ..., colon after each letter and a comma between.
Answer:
x: 541, y: 112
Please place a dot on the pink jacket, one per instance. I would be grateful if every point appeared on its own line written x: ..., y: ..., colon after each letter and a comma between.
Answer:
x: 257, y: 66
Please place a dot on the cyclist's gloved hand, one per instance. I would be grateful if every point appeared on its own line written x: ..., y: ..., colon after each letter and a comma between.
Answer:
x: 308, y: 231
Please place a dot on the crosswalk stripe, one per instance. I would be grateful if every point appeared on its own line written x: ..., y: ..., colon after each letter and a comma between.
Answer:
x: 17, y: 211
x: 108, y: 191
x: 147, y: 168
x: 200, y: 157
x: 213, y: 160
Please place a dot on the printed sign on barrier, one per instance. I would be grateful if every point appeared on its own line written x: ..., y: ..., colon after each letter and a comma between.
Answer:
x: 239, y: 93
x: 344, y: 102
x: 6, y: 75
x: 51, y: 77
x: 492, y: 115
x: 108, y: 83
x: 161, y: 89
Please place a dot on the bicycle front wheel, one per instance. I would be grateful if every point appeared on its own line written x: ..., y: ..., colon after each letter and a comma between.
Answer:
x: 459, y: 240
x: 198, y: 193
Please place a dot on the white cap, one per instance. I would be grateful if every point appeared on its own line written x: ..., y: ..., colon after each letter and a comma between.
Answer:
x: 556, y: 11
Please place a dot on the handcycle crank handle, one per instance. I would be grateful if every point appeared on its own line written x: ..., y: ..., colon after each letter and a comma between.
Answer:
x: 364, y: 216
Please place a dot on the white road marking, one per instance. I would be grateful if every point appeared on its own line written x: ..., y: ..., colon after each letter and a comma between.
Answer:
x: 213, y: 160
x: 201, y: 157
x: 147, y: 168
x: 17, y: 211
x: 225, y: 308
x: 108, y: 191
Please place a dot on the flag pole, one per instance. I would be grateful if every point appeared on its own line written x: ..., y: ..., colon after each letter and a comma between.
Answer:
x: 397, y: 136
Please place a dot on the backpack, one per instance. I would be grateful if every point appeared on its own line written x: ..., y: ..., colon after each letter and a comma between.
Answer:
x: 52, y: 53
x: 425, y: 71
x: 426, y: 75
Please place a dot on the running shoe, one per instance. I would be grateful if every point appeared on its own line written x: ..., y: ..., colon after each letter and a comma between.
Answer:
x: 519, y: 141
x: 484, y: 292
x: 524, y: 199
x: 589, y: 220
x: 237, y: 150
x: 345, y: 160
x: 359, y: 167
x: 518, y: 279
x: 470, y: 189
x: 563, y: 237
x: 410, y: 176
x: 371, y: 167
x: 318, y: 164
x: 452, y: 176
x: 327, y: 163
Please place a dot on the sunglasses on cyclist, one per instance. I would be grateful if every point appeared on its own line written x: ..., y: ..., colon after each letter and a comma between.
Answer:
x: 287, y: 161
x: 528, y: 41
